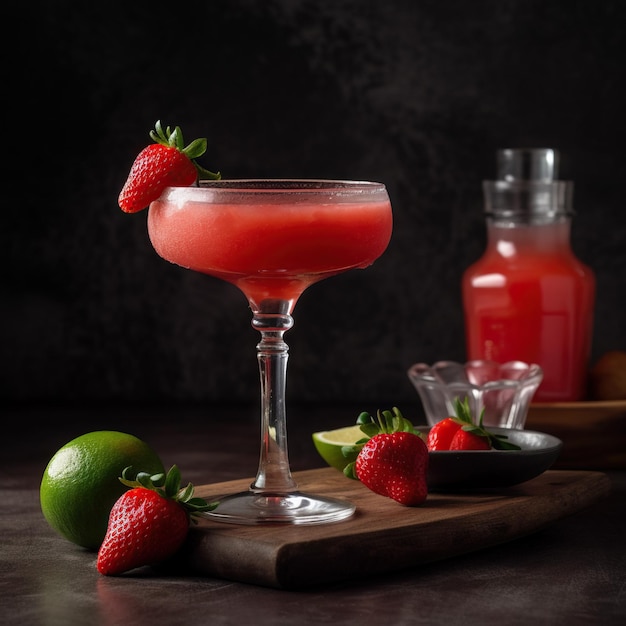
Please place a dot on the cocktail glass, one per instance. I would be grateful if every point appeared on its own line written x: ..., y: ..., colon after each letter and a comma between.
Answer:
x: 273, y: 239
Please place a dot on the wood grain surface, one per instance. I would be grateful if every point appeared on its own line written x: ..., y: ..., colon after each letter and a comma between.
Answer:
x: 382, y: 535
x: 593, y: 433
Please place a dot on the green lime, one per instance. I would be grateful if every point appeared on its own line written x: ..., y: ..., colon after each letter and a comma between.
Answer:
x: 328, y: 443
x: 81, y: 483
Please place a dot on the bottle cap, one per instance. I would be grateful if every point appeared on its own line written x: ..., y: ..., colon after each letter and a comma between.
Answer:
x: 527, y: 189
x: 531, y: 164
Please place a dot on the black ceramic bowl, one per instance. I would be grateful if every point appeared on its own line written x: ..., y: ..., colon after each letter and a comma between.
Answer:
x: 479, y: 469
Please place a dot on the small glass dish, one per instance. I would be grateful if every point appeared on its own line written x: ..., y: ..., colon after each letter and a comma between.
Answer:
x: 503, y: 390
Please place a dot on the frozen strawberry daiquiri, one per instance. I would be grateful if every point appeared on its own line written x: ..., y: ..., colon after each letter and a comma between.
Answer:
x: 273, y: 239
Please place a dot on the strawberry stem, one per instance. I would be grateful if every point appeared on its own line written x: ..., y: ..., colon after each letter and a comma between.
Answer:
x: 174, y: 139
x: 168, y: 486
x: 463, y: 416
x: 386, y: 422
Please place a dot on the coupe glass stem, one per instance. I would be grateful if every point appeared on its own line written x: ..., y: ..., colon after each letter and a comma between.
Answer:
x: 274, y: 474
x: 274, y: 494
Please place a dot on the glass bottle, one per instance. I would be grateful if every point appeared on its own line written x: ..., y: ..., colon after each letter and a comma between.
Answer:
x: 529, y: 298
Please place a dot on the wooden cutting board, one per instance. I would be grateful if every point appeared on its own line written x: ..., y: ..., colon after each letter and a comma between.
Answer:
x: 382, y: 535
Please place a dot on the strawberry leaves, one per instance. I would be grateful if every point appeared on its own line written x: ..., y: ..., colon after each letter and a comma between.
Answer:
x: 463, y: 416
x: 174, y: 139
x: 386, y: 422
x: 169, y: 486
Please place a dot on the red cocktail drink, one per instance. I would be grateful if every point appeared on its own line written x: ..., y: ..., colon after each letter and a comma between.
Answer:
x: 271, y: 242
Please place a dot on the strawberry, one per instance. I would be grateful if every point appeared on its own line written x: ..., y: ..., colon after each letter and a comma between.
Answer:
x: 165, y: 163
x: 393, y: 462
x: 441, y: 434
x: 464, y: 440
x: 459, y: 432
x: 148, y: 523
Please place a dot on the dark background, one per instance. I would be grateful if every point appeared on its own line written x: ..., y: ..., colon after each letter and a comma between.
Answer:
x: 417, y: 94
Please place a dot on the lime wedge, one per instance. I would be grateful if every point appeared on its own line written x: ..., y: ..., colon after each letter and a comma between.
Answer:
x: 328, y: 444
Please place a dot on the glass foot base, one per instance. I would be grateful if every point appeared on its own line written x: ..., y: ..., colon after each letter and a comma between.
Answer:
x: 249, y: 508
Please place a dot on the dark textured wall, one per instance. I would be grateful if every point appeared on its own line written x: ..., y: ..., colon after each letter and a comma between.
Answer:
x: 415, y: 93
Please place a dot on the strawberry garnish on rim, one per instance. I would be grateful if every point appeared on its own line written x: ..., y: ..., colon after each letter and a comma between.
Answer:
x: 165, y: 163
